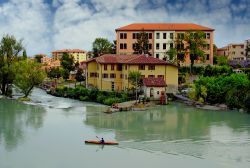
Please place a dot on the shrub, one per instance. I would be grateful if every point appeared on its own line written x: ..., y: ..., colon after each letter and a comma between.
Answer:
x: 84, y: 98
x: 100, y: 98
x: 111, y: 100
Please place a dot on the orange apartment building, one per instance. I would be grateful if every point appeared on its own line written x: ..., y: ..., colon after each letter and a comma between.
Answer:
x: 162, y: 37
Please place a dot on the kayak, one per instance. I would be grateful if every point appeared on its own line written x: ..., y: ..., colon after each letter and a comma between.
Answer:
x: 99, y: 143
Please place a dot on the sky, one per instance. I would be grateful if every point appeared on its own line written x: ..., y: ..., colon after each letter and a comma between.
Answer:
x: 47, y: 25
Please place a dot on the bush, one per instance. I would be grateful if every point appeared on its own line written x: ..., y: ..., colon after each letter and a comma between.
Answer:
x: 100, y: 98
x: 232, y: 90
x: 111, y: 100
x: 84, y: 98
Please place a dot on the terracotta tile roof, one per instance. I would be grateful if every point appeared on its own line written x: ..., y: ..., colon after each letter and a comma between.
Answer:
x: 69, y: 51
x: 128, y: 59
x: 164, y: 26
x: 154, y: 82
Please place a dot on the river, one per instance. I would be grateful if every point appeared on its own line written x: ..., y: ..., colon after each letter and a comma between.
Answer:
x: 50, y: 132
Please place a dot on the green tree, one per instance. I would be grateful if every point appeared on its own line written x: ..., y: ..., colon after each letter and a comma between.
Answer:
x: 9, y: 51
x: 171, y: 55
x: 54, y: 72
x: 24, y: 54
x: 28, y: 75
x: 101, y: 46
x: 195, y: 44
x: 141, y: 45
x: 79, y: 75
x: 67, y: 63
x: 135, y: 79
x: 221, y: 60
x: 38, y: 58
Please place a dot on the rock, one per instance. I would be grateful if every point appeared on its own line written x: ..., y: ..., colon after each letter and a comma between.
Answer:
x: 241, y: 110
x: 223, y: 106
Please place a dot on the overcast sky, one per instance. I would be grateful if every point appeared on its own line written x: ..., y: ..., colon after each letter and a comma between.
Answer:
x: 46, y: 25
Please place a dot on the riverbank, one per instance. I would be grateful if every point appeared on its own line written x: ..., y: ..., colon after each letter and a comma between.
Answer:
x: 204, y: 106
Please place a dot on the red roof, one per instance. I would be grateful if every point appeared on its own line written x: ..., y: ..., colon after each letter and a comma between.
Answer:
x: 164, y: 26
x: 69, y: 51
x: 154, y: 82
x: 128, y: 59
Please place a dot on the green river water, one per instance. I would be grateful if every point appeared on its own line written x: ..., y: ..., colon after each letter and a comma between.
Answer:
x: 50, y: 133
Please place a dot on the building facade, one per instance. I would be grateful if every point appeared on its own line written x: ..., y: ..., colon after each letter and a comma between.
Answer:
x: 78, y: 55
x: 162, y: 37
x: 233, y: 52
x: 110, y: 72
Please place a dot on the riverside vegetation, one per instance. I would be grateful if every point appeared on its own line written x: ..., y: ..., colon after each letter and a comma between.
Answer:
x: 219, y: 85
x: 83, y: 94
x: 16, y: 70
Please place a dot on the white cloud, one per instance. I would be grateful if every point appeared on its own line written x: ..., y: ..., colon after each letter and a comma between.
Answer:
x: 76, y: 23
x: 28, y: 20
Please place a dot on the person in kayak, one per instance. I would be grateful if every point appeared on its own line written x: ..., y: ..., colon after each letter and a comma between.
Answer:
x: 102, y: 141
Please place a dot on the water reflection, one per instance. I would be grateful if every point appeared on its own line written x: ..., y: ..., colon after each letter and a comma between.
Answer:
x: 172, y: 122
x: 15, y: 118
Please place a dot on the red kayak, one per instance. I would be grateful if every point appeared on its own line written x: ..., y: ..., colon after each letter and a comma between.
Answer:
x: 99, y: 143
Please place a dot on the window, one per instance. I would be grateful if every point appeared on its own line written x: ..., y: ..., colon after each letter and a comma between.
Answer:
x: 233, y: 52
x: 207, y: 35
x: 171, y: 45
x: 157, y: 35
x: 105, y: 75
x: 151, y: 76
x: 207, y: 46
x: 151, y: 67
x: 112, y: 75
x: 121, y: 76
x: 134, y: 35
x: 141, y: 67
x: 123, y: 46
x: 112, y: 67
x: 105, y: 67
x: 157, y: 55
x: 142, y: 76
x: 164, y: 35
x: 171, y: 35
x: 241, y: 53
x: 161, y: 76
x: 126, y: 67
x: 126, y: 77
x: 92, y: 74
x: 158, y: 92
x: 149, y: 46
x: 123, y: 35
x: 164, y: 46
x: 207, y: 56
x: 134, y: 46
x: 157, y: 46
x: 180, y: 46
x: 149, y: 35
x: 119, y: 67
x: 180, y: 35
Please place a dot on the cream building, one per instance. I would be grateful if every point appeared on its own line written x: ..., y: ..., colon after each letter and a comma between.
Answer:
x: 77, y: 54
x: 164, y: 40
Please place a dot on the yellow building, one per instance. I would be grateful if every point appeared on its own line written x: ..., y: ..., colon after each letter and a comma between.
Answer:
x: 78, y: 55
x: 110, y: 72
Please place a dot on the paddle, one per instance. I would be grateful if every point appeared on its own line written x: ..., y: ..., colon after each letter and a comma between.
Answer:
x: 97, y: 138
